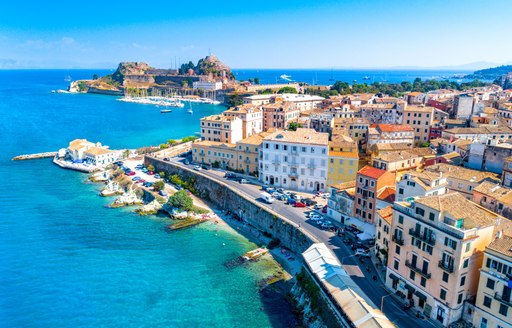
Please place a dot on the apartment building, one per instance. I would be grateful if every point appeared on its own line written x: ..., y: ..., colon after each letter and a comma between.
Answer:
x: 279, y: 115
x: 420, y: 118
x: 383, y: 220
x: 251, y: 116
x: 506, y: 175
x: 500, y: 133
x: 387, y: 113
x: 355, y: 128
x: 397, y: 162
x: 370, y: 182
x: 295, y: 160
x: 248, y: 152
x: 302, y: 102
x: 493, y: 304
x: 435, y: 253
x: 390, y: 133
x: 343, y: 160
x: 340, y: 205
x: 461, y: 179
x: 221, y: 128
x: 420, y: 184
x: 494, y: 197
x: 463, y: 106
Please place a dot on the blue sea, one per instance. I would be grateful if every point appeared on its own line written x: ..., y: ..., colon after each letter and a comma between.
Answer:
x: 68, y: 261
x: 328, y: 76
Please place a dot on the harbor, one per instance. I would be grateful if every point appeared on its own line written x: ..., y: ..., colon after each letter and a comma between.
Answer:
x: 49, y: 154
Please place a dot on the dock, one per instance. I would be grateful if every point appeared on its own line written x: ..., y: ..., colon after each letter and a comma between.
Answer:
x: 35, y: 156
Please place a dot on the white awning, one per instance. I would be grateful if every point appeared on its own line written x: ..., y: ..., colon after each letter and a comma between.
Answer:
x: 365, y: 227
x: 364, y: 236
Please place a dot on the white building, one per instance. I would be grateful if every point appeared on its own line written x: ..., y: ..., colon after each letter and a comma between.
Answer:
x: 205, y: 85
x: 420, y: 184
x: 302, y: 102
x: 295, y: 160
x: 81, y: 150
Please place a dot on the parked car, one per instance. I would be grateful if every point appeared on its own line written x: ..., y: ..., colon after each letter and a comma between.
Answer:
x: 197, y: 168
x: 167, y: 159
x: 327, y: 225
x: 230, y: 175
x: 280, y: 190
x: 188, y: 192
x: 316, y: 217
x: 162, y: 193
x: 131, y: 173
x: 141, y: 181
x: 145, y: 170
x: 309, y: 202
x: 242, y: 181
x: 362, y: 252
x: 324, y: 209
x: 157, y: 176
x: 206, y: 167
x: 135, y: 178
x: 299, y: 204
x: 358, y: 245
x: 186, y: 162
x: 290, y: 201
x: 318, y: 207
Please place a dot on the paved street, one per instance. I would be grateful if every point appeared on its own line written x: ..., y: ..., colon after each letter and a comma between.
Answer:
x: 358, y: 270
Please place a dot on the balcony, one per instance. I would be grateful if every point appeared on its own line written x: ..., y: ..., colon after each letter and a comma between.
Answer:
x: 311, y: 165
x: 499, y: 298
x: 417, y: 270
x: 416, y: 234
x: 446, y: 267
x: 293, y: 174
x: 247, y: 161
x: 398, y: 241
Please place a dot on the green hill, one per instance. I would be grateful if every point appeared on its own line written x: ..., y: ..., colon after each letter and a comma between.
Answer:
x: 491, y: 73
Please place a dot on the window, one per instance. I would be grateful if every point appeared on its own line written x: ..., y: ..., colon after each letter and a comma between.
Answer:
x: 487, y: 301
x: 503, y: 309
x: 459, y: 298
x: 450, y: 243
x: 400, y: 191
x: 465, y: 264
x: 443, y: 294
x: 400, y: 219
x: 423, y: 282
x: 431, y: 216
x: 462, y: 280
x: 483, y: 323
x: 420, y: 211
x: 412, y: 275
x: 468, y: 247
x: 445, y: 276
x: 490, y: 283
x: 397, y: 251
x: 396, y: 264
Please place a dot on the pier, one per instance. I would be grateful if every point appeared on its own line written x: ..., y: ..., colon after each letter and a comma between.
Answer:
x: 35, y: 156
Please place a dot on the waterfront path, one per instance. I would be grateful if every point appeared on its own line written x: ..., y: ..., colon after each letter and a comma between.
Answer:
x: 373, y: 289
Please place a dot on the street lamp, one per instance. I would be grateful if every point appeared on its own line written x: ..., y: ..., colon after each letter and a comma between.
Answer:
x: 382, y: 302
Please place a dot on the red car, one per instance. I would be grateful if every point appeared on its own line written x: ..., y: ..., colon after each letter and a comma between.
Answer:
x: 131, y: 173
x: 299, y: 204
x: 324, y: 210
x: 151, y: 172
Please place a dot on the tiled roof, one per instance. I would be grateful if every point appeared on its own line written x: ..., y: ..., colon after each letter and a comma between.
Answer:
x: 459, y: 207
x: 98, y: 151
x: 386, y: 213
x: 345, y: 185
x: 255, y: 139
x: 502, y: 245
x: 79, y: 143
x: 396, y: 156
x: 206, y: 143
x: 496, y: 191
x: 387, y: 194
x: 416, y: 109
x: 301, y: 136
x: 462, y: 173
x: 371, y: 172
x: 394, y: 128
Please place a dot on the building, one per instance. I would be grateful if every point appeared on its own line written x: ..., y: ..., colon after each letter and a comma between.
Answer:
x: 420, y: 118
x: 420, y: 184
x: 302, y: 102
x: 370, y: 181
x: 321, y: 122
x: 355, y: 128
x: 461, y: 179
x: 494, y: 197
x: 206, y: 85
x: 383, y: 220
x: 506, y: 176
x: 279, y: 115
x: 463, y: 106
x: 382, y: 112
x: 251, y: 116
x: 248, y: 152
x: 397, y: 162
x: 295, y: 160
x: 499, y: 133
x: 77, y: 148
x: 340, y: 204
x: 493, y: 304
x: 217, y: 154
x: 390, y: 133
x: 81, y: 150
x: 343, y: 160
x: 436, y: 251
x: 416, y: 98
x: 221, y: 128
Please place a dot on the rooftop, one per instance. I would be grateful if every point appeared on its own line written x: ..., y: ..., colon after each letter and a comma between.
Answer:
x: 423, y: 109
x: 494, y: 190
x: 481, y: 130
x: 459, y: 207
x: 502, y: 245
x: 98, y: 151
x: 386, y: 213
x: 79, y: 144
x: 255, y: 139
x: 462, y: 173
x: 396, y: 156
x: 220, y: 118
x: 394, y: 128
x: 301, y: 136
x: 371, y: 172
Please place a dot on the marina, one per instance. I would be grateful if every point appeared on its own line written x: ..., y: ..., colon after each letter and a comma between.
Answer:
x: 49, y: 154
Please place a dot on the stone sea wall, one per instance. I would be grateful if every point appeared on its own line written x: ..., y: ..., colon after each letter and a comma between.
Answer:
x: 247, y: 208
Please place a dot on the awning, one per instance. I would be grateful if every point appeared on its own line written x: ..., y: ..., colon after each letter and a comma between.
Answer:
x: 410, y: 288
x: 361, y: 226
x: 364, y: 236
x: 393, y: 277
x: 421, y: 296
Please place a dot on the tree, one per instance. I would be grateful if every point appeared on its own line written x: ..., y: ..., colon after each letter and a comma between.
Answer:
x: 95, y: 76
x: 175, y: 179
x: 151, y: 168
x: 256, y: 80
x: 287, y: 90
x: 181, y: 201
x: 172, y: 142
x: 159, y: 185
x: 162, y: 174
x: 293, y: 126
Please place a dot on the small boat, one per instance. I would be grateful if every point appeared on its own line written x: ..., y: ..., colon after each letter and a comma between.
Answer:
x: 165, y: 110
x: 366, y: 78
x: 190, y: 111
x: 286, y: 77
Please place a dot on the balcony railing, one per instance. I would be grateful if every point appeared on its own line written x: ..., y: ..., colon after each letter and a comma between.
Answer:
x: 446, y: 267
x: 499, y: 298
x: 293, y: 174
x: 417, y: 270
x: 398, y: 241
x: 417, y: 234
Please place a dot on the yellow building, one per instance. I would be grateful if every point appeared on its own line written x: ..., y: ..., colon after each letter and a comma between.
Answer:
x: 343, y: 160
x: 248, y: 152
x: 493, y: 305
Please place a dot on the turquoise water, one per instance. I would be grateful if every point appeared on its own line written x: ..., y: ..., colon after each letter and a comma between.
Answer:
x: 68, y: 261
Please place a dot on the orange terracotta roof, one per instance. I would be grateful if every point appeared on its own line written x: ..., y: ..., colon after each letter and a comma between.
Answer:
x: 371, y: 172
x: 394, y: 127
x: 387, y: 194
x: 386, y: 214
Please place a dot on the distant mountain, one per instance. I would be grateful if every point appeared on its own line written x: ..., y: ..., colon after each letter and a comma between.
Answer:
x: 491, y: 73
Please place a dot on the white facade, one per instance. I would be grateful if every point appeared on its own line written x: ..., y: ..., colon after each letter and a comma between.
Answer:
x: 302, y: 102
x: 289, y: 160
x: 420, y: 185
x: 205, y: 85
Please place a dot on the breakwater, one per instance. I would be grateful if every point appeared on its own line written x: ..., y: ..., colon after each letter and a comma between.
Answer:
x: 250, y: 210
x: 49, y: 154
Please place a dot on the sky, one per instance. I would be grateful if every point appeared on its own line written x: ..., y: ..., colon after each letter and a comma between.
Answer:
x: 255, y: 34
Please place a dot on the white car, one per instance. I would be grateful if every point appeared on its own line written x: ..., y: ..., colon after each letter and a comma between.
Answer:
x: 316, y: 217
x: 197, y: 168
x: 362, y: 252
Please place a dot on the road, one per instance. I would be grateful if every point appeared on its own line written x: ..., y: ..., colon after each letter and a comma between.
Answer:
x: 358, y: 269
